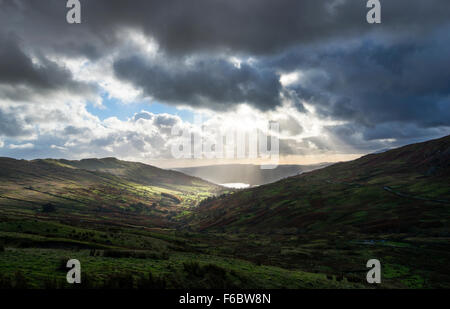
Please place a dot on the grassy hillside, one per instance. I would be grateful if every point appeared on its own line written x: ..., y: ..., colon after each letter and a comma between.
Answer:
x: 405, y: 189
x: 98, y: 190
x: 394, y: 206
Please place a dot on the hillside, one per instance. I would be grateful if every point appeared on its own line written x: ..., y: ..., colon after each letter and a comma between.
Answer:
x: 394, y: 206
x: 247, y: 173
x: 359, y: 194
x: 135, y: 172
x: 98, y: 189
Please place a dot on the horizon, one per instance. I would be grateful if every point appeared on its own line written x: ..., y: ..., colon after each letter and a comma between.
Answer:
x: 192, y: 163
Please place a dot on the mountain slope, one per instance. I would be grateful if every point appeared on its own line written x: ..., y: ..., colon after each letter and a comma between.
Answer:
x: 393, y: 206
x: 401, y: 190
x: 136, y: 172
x: 98, y: 189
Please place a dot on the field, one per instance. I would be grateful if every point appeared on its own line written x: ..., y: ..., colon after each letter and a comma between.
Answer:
x: 36, y: 251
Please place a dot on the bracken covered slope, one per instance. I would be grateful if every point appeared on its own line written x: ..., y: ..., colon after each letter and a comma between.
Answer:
x: 401, y: 190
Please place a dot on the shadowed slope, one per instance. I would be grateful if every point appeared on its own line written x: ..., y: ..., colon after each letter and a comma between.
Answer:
x: 357, y: 196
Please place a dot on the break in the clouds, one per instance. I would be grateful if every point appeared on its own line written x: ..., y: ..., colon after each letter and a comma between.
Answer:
x: 333, y: 82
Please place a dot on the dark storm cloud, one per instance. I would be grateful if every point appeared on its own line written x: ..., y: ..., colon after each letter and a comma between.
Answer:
x: 213, y: 83
x: 260, y: 26
x: 381, y: 137
x: 179, y: 26
x: 17, y: 69
x: 253, y: 26
x: 371, y: 83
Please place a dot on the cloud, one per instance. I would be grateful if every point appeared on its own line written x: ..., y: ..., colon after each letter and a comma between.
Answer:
x: 258, y: 27
x: 142, y: 136
x: 22, y: 146
x: 33, y: 74
x: 290, y: 125
x: 373, y: 83
x: 212, y: 83
x: 333, y: 82
x: 11, y: 124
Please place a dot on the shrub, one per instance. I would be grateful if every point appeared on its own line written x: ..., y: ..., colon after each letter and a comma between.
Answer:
x: 192, y: 268
x: 212, y: 276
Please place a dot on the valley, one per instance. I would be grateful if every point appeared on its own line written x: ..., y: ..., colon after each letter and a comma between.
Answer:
x: 136, y: 226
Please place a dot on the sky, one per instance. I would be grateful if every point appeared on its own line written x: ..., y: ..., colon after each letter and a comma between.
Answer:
x: 118, y: 83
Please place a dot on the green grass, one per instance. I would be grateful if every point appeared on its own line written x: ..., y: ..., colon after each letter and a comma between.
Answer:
x: 42, y: 265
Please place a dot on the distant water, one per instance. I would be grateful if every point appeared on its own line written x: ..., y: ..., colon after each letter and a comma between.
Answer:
x: 236, y: 185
